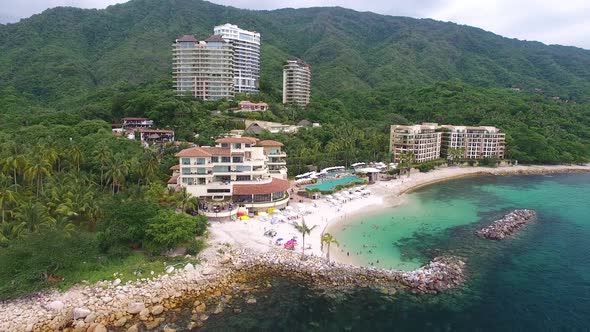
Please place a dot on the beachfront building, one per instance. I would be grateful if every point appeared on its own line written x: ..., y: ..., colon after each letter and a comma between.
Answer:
x: 203, y: 69
x: 424, y: 141
x: 275, y: 158
x: 246, y: 56
x: 235, y: 173
x: 136, y: 123
x: 155, y: 136
x: 248, y: 106
x: 296, y: 82
x: 476, y: 142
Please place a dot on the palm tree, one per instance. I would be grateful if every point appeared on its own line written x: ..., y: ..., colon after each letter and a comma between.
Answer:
x: 36, y: 170
x: 148, y: 166
x: 304, y: 230
x: 117, y: 171
x: 186, y: 200
x: 455, y: 154
x: 406, y: 160
x: 77, y: 156
x: 328, y: 239
x: 33, y: 216
x: 14, y: 164
x: 104, y: 156
x: 7, y: 194
x: 50, y: 155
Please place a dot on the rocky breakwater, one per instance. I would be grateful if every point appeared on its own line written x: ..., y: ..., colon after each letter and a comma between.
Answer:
x: 508, y: 225
x: 442, y: 274
x: 108, y: 305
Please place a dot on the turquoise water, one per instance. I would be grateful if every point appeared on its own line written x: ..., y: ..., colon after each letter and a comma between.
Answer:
x: 538, y: 280
x: 330, y: 184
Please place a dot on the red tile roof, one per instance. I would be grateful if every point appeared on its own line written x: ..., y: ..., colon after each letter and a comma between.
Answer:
x: 187, y: 38
x: 193, y: 152
x: 277, y: 185
x: 155, y: 131
x: 250, y: 140
x: 205, y: 151
x: 269, y: 143
x: 173, y: 179
x: 175, y: 168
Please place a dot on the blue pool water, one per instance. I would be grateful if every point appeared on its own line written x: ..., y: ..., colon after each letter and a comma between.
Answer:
x: 330, y: 184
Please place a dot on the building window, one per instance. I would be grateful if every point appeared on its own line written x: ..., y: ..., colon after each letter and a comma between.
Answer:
x: 214, y: 159
x: 237, y: 146
x: 237, y: 159
x: 201, y: 161
x: 225, y: 145
x: 186, y: 161
x: 201, y: 181
x: 186, y: 171
x: 225, y: 159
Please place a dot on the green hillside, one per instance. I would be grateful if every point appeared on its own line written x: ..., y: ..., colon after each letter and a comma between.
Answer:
x: 368, y: 71
x: 65, y: 51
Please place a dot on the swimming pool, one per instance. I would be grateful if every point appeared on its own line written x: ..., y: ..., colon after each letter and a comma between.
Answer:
x: 330, y: 184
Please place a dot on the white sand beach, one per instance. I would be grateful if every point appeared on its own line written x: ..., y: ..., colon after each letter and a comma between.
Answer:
x: 325, y: 215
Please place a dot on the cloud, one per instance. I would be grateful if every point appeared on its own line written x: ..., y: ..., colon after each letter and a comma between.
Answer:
x: 566, y: 22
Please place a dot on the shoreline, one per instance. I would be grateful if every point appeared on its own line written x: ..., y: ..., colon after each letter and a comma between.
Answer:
x: 109, y: 302
x: 393, y: 192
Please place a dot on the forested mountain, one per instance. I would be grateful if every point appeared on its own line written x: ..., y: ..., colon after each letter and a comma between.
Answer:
x: 368, y: 72
x: 66, y: 51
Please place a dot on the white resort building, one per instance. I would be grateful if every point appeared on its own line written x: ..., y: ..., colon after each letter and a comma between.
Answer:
x: 239, y: 172
x: 246, y: 61
x: 296, y: 82
x: 477, y: 142
x: 431, y: 141
x: 203, y: 69
x: 423, y: 140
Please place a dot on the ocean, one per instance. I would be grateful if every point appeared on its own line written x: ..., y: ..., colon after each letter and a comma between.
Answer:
x: 537, y: 280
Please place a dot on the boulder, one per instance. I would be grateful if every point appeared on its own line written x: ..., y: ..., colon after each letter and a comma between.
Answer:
x: 55, y: 306
x: 120, y: 322
x: 201, y: 307
x: 189, y: 267
x: 90, y: 318
x: 133, y: 328
x: 117, y: 282
x: 100, y: 328
x: 144, y: 314
x: 157, y: 310
x: 135, y: 307
x: 106, y: 299
x: 170, y: 269
x: 81, y: 313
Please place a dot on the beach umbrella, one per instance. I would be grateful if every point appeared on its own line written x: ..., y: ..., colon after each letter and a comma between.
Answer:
x: 244, y: 218
x: 288, y: 208
x: 263, y: 214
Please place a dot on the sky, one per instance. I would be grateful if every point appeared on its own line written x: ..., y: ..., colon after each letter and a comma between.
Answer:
x: 565, y: 22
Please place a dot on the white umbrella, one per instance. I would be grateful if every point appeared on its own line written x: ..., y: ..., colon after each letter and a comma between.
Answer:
x: 289, y: 208
x: 263, y: 214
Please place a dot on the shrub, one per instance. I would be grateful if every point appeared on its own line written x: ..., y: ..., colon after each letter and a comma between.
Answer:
x: 31, y: 263
x: 195, y: 246
x: 168, y: 229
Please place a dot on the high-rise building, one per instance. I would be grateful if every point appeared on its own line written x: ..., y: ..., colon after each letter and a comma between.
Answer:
x: 476, y: 142
x: 296, y: 82
x: 430, y: 141
x: 422, y: 140
x: 246, y: 46
x: 203, y: 68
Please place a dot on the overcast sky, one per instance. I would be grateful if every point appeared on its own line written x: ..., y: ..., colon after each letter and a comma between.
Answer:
x: 565, y: 22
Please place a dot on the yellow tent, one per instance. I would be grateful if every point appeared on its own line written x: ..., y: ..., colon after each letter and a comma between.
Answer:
x: 244, y: 218
x: 270, y: 210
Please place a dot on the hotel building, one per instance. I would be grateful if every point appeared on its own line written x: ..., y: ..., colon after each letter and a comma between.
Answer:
x: 246, y: 60
x: 296, y: 82
x: 239, y: 171
x: 477, y: 142
x: 423, y: 140
x: 203, y: 68
x: 431, y: 141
